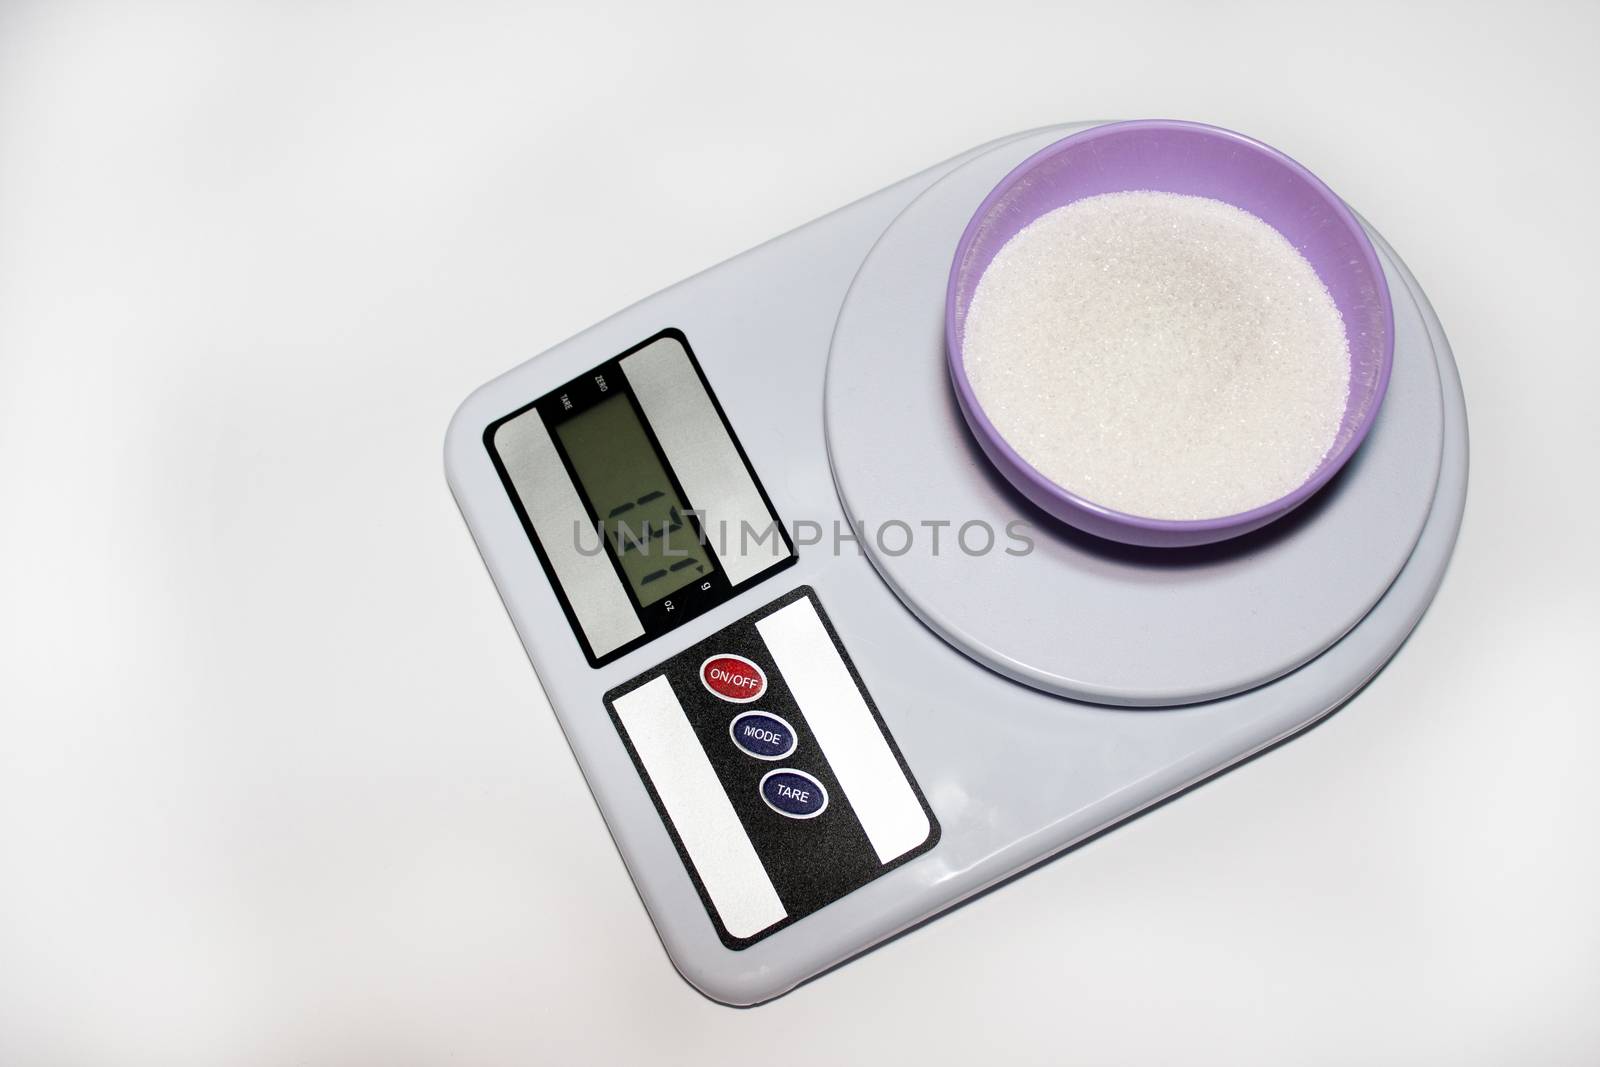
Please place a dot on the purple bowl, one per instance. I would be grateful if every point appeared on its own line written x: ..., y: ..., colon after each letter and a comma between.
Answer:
x: 1198, y: 160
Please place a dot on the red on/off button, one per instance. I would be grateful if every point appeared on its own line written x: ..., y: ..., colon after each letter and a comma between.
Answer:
x: 733, y: 678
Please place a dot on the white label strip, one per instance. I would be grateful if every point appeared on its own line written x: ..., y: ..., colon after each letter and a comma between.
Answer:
x: 552, y: 506
x: 701, y: 814
x: 703, y: 456
x: 845, y: 729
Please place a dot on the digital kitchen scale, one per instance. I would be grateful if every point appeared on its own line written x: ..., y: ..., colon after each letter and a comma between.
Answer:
x: 808, y: 723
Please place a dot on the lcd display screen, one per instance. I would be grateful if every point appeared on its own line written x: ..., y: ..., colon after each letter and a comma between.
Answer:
x: 641, y: 517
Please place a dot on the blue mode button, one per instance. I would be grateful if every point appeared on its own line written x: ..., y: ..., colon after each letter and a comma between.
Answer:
x: 762, y: 735
x: 794, y: 793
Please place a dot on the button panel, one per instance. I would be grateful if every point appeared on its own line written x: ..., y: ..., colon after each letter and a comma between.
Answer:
x: 782, y: 805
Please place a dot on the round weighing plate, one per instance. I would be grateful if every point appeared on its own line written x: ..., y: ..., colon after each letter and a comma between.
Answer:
x: 1078, y: 616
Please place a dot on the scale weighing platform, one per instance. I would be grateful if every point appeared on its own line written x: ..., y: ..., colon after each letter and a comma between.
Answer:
x: 826, y: 673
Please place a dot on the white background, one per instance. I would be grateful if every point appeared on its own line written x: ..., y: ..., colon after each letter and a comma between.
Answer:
x: 277, y: 785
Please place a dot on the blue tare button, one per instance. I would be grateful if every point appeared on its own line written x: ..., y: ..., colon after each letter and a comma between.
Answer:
x: 762, y: 735
x: 794, y: 793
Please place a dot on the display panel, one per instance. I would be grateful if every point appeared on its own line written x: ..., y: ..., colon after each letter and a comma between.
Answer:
x: 627, y: 480
x: 640, y: 515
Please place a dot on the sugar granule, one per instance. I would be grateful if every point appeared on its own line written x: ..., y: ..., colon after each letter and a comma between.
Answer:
x: 1168, y: 356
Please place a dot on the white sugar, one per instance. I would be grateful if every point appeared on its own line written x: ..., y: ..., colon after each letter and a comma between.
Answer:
x: 1167, y: 356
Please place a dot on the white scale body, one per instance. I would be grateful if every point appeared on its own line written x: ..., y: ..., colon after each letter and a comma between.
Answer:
x: 917, y: 726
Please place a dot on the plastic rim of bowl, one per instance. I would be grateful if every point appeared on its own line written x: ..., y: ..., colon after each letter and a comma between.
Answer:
x: 1197, y: 160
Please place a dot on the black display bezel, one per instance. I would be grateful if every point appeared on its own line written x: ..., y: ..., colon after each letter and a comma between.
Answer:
x: 574, y: 397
